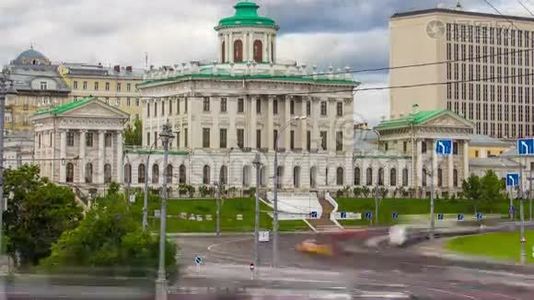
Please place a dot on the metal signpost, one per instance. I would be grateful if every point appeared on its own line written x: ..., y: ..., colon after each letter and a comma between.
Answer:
x: 257, y: 164
x: 525, y: 147
x: 444, y: 147
x: 512, y: 181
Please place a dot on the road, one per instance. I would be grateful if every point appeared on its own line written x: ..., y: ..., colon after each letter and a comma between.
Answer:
x: 356, y: 271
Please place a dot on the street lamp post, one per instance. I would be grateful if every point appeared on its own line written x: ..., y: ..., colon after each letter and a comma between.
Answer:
x: 523, y: 240
x: 275, y: 189
x: 257, y: 165
x: 161, y: 283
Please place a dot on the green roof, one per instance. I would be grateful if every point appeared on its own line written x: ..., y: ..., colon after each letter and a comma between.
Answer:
x: 246, y: 14
x: 412, y: 119
x: 63, y: 108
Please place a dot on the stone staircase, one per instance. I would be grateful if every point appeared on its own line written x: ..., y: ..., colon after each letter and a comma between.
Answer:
x: 324, y: 224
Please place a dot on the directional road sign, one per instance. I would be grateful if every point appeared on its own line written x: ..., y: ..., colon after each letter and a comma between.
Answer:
x: 444, y: 147
x: 512, y: 179
x: 368, y: 215
x: 343, y: 215
x: 395, y: 215
x: 479, y: 216
x: 314, y: 215
x: 460, y: 217
x: 198, y: 260
x: 525, y: 146
x: 440, y: 217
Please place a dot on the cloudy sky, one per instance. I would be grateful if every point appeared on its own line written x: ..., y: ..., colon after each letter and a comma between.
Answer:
x: 316, y: 32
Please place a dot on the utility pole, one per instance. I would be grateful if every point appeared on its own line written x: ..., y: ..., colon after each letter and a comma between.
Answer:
x: 161, y: 283
x: 257, y: 164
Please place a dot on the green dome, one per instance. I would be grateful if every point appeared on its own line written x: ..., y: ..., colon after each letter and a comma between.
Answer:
x: 246, y: 15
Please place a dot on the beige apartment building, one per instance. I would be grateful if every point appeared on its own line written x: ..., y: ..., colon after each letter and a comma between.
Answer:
x: 476, y: 64
x: 116, y: 86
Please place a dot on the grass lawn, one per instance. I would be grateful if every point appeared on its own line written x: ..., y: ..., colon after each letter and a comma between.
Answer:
x: 411, y: 207
x: 230, y: 208
x: 498, y: 245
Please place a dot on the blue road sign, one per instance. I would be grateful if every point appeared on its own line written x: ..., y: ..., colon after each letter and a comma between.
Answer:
x: 512, y: 179
x: 460, y: 217
x: 440, y: 216
x: 368, y: 215
x: 198, y: 260
x: 479, y: 216
x: 395, y: 215
x: 343, y: 215
x: 444, y: 147
x: 313, y: 215
x: 525, y: 146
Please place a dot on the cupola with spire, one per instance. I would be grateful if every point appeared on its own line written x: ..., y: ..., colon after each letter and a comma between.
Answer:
x: 246, y: 36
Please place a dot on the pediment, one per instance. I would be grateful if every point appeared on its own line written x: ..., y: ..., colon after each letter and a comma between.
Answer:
x: 96, y: 109
x: 448, y: 120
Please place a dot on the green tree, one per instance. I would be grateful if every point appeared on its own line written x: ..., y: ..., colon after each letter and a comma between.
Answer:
x: 133, y: 134
x: 110, y: 240
x: 493, y: 190
x: 472, y: 189
x: 37, y: 214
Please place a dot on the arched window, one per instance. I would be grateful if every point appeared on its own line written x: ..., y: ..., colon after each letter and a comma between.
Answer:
x: 168, y: 174
x: 440, y: 177
x: 405, y: 177
x: 246, y: 176
x: 89, y: 173
x: 127, y: 173
x: 381, y: 176
x: 182, y: 176
x: 339, y: 176
x: 280, y: 174
x: 141, y: 173
x: 238, y: 51
x: 357, y: 176
x: 424, y: 177
x: 313, y: 177
x: 258, y: 51
x: 223, y: 52
x: 223, y: 176
x: 296, y: 177
x: 455, y: 177
x: 369, y: 176
x: 393, y: 177
x: 155, y: 174
x: 107, y: 173
x: 70, y: 172
x: 206, y: 175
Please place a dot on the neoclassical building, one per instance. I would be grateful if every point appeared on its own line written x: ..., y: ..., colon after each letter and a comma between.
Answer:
x: 223, y: 113
x: 80, y: 143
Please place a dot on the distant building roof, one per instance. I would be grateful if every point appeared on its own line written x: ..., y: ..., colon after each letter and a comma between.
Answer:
x: 411, y: 119
x: 246, y: 14
x: 460, y: 12
x: 487, y: 141
x: 82, y: 69
x: 31, y: 57
x: 493, y: 163
x: 63, y: 108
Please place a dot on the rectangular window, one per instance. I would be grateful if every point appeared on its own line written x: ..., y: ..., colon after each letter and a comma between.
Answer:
x: 96, y: 85
x: 339, y: 141
x: 241, y: 138
x: 70, y: 139
x: 148, y: 139
x: 178, y: 140
x: 162, y: 108
x: 107, y: 86
x: 75, y: 85
x: 44, y: 86
x: 292, y: 107
x: 107, y: 140
x: 89, y: 139
x: 186, y: 101
x: 292, y: 140
x: 84, y: 87
x: 128, y: 102
x: 170, y: 106
x: 275, y: 137
x: 205, y: 137
x: 206, y: 104
x: 118, y: 86
x: 308, y: 108
x: 186, y: 138
x: 128, y: 87
x: 240, y: 105
x: 258, y: 139
x: 223, y: 105
x: 275, y: 107
x: 339, y: 109
x: 258, y: 106
x: 323, y: 140
x: 155, y: 138
x: 308, y: 141
x: 323, y: 108
x: 222, y: 138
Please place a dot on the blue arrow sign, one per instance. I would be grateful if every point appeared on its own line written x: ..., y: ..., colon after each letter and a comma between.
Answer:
x: 395, y: 215
x: 368, y: 215
x: 444, y: 147
x: 313, y: 215
x: 460, y: 217
x: 512, y: 179
x: 343, y: 215
x: 525, y: 146
x: 198, y: 260
x: 440, y: 216
x: 479, y: 216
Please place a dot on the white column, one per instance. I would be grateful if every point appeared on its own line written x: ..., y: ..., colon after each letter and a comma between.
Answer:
x: 315, y: 111
x: 231, y: 46
x: 287, y: 118
x: 418, y: 165
x: 82, y: 156
x: 466, y: 160
x: 434, y: 164
x: 265, y: 50
x: 450, y: 168
x: 270, y: 124
x: 245, y: 39
x: 63, y: 156
x: 227, y: 48
x: 101, y: 156
x: 119, y: 146
x: 303, y: 125
x: 274, y: 47
x: 253, y: 121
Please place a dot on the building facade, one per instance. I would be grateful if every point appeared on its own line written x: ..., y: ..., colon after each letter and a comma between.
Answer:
x: 475, y: 64
x: 80, y: 143
x: 117, y: 86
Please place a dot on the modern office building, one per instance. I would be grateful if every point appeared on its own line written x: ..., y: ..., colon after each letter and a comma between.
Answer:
x: 478, y: 65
